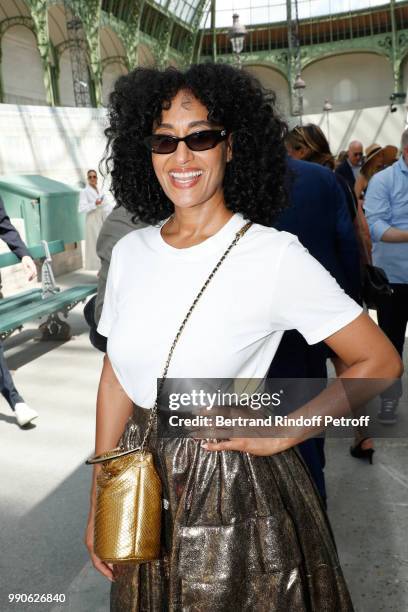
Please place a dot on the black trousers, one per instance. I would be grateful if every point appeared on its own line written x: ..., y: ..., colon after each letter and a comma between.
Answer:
x: 392, y: 313
x: 7, y: 388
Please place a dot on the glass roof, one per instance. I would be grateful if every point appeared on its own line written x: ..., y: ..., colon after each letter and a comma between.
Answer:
x: 183, y: 9
x: 252, y: 12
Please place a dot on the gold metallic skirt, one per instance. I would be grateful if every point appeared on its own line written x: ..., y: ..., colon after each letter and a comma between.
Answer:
x: 240, y: 534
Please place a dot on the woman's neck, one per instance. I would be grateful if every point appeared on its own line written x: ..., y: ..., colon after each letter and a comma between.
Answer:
x: 190, y: 226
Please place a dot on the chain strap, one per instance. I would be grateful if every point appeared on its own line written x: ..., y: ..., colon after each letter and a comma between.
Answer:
x: 153, y: 414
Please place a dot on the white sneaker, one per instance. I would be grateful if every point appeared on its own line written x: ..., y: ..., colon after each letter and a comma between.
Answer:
x: 24, y: 414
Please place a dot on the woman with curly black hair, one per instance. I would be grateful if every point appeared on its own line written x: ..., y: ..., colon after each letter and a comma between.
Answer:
x: 199, y: 155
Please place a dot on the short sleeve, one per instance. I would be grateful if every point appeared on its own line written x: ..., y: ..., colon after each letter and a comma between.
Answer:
x: 109, y: 309
x: 308, y: 298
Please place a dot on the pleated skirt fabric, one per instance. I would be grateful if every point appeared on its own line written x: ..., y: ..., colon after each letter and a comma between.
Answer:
x: 240, y: 534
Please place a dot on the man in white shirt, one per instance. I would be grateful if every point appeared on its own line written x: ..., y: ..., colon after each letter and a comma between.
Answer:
x: 386, y: 207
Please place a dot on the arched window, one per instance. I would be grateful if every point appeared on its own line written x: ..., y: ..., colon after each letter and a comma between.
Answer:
x: 349, y: 81
x: 21, y: 68
x: 65, y: 82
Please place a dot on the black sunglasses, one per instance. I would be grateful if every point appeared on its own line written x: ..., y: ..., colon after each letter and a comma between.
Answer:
x: 199, y: 141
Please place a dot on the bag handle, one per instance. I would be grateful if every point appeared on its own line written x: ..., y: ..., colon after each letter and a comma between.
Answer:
x: 115, y: 453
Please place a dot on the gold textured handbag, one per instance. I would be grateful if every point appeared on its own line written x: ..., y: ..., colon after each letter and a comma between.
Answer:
x: 128, y: 507
x: 128, y: 487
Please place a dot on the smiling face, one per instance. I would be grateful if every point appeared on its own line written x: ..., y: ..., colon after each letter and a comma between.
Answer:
x: 190, y: 178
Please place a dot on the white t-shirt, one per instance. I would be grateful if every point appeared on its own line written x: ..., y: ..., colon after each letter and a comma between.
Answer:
x: 267, y: 284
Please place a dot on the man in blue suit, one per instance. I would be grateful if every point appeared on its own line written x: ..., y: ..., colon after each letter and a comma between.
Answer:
x: 349, y: 169
x: 318, y: 215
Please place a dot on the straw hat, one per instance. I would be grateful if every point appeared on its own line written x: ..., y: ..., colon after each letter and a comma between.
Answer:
x: 389, y: 153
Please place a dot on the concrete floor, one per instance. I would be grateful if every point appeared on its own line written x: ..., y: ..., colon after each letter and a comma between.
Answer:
x: 44, y: 488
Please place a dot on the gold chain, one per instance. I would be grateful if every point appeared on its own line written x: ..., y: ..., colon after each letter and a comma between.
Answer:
x: 153, y: 414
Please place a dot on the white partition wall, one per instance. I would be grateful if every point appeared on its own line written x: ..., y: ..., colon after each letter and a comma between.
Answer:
x: 61, y: 143
x: 369, y: 125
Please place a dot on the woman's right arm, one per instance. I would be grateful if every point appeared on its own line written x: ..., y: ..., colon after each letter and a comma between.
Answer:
x: 113, y: 410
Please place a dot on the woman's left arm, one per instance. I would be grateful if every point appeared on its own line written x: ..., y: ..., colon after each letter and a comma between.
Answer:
x: 366, y: 350
x: 368, y: 354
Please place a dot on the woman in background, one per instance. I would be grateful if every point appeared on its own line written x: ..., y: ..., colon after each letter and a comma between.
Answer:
x: 94, y: 203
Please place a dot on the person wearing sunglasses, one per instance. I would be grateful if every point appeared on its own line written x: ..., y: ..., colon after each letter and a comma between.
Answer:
x: 96, y: 205
x: 199, y: 155
x: 349, y: 169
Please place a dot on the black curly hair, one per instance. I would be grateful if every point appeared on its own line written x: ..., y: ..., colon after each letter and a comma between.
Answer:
x: 255, y: 179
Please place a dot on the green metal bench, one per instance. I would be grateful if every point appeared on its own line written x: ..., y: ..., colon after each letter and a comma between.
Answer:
x: 48, y: 301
